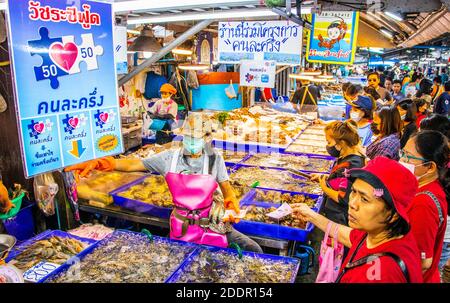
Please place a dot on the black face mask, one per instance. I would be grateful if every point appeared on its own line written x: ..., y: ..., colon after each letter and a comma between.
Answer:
x: 333, y: 151
x: 374, y: 128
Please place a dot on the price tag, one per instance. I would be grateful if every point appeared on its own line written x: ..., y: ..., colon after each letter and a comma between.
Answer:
x: 39, y: 271
x: 281, y: 212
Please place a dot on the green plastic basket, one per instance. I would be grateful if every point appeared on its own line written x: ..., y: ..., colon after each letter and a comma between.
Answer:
x: 17, y: 202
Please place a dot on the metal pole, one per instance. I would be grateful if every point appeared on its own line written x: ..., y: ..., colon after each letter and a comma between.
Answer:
x: 165, y: 50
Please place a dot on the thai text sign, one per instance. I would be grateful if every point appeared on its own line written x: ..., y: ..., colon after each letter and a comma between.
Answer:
x: 280, y: 41
x: 333, y: 37
x: 65, y: 82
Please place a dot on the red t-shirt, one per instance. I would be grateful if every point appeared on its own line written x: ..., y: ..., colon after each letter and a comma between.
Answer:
x: 383, y: 269
x: 420, y: 117
x: 424, y: 217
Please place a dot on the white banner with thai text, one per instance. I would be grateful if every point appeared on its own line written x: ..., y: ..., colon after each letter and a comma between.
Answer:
x: 280, y: 41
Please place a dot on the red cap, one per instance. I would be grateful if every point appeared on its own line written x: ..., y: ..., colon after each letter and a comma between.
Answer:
x: 391, y: 180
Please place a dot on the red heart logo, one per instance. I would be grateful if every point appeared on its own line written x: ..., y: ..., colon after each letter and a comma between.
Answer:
x: 39, y: 127
x: 64, y: 55
x: 73, y: 122
x: 104, y: 117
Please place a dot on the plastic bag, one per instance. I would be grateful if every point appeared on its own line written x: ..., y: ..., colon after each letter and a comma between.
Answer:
x: 230, y: 92
x: 45, y: 190
x: 3, y: 105
x: 192, y: 80
x: 330, y: 258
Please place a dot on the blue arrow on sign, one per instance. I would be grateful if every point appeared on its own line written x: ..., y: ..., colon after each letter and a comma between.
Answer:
x: 77, y: 149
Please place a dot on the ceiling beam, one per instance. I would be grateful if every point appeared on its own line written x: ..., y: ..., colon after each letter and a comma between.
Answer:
x: 165, y: 50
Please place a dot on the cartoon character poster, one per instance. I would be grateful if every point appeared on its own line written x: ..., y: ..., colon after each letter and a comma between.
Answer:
x: 65, y: 82
x: 333, y: 38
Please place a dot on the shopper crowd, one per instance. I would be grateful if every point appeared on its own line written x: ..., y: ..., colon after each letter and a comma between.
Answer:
x: 387, y: 195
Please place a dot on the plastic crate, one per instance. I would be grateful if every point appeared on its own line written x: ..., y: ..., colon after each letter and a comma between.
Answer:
x: 239, y: 166
x: 136, y: 205
x: 250, y: 198
x: 276, y: 259
x: 274, y: 231
x: 46, y: 235
x: 244, y: 162
x: 88, y: 251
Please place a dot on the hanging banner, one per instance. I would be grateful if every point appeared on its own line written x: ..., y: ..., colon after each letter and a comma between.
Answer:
x: 120, y: 45
x: 332, y: 38
x: 65, y: 82
x: 257, y: 73
x: 280, y: 41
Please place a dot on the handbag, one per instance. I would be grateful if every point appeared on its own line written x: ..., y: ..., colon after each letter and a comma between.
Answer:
x: 330, y: 258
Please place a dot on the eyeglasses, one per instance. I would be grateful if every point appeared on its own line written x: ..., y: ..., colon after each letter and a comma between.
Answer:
x: 406, y: 155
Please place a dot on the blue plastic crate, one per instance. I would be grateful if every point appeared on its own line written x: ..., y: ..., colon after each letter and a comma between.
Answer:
x: 139, y: 206
x: 86, y: 252
x: 46, y: 235
x: 274, y: 231
x: 239, y: 166
x: 250, y: 198
x: 177, y: 274
x: 243, y: 163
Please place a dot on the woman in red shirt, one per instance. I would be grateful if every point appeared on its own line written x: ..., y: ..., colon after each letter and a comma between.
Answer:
x: 422, y: 110
x: 382, y: 248
x: 427, y: 156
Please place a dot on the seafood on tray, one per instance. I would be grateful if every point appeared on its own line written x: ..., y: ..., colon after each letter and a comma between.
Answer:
x: 289, y: 161
x: 153, y: 190
x: 272, y: 178
x: 125, y: 257
x: 225, y: 267
x: 307, y: 149
x: 272, y: 196
x: 54, y: 249
x: 259, y: 214
x: 231, y: 155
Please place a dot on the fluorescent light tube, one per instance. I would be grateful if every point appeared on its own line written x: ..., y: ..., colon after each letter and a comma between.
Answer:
x: 394, y: 16
x: 231, y: 14
x: 383, y: 31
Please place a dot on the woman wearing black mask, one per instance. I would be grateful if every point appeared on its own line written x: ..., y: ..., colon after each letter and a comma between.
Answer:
x: 343, y: 144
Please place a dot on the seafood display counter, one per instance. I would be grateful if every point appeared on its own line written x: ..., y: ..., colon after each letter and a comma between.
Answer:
x: 129, y: 257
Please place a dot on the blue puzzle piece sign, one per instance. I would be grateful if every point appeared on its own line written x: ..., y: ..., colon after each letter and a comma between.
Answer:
x: 48, y: 70
x: 65, y: 82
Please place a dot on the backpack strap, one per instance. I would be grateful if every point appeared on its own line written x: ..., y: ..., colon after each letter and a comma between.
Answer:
x: 372, y: 257
x: 436, y: 202
x: 344, y: 270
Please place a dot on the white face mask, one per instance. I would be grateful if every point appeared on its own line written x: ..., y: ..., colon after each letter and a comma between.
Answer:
x: 355, y: 116
x: 412, y: 168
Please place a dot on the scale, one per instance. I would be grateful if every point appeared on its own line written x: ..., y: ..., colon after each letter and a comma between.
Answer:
x: 8, y: 273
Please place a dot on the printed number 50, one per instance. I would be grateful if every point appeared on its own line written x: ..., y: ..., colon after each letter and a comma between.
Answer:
x: 49, y: 70
x: 87, y: 52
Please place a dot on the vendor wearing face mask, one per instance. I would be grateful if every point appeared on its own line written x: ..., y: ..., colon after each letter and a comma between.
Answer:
x: 343, y: 144
x: 163, y: 114
x: 362, y: 113
x: 192, y: 173
x: 382, y: 248
x: 426, y: 155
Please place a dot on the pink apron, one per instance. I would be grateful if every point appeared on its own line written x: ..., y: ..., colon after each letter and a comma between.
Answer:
x: 193, y: 198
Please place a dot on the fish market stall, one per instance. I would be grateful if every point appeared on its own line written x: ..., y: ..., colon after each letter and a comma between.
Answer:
x: 129, y: 257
